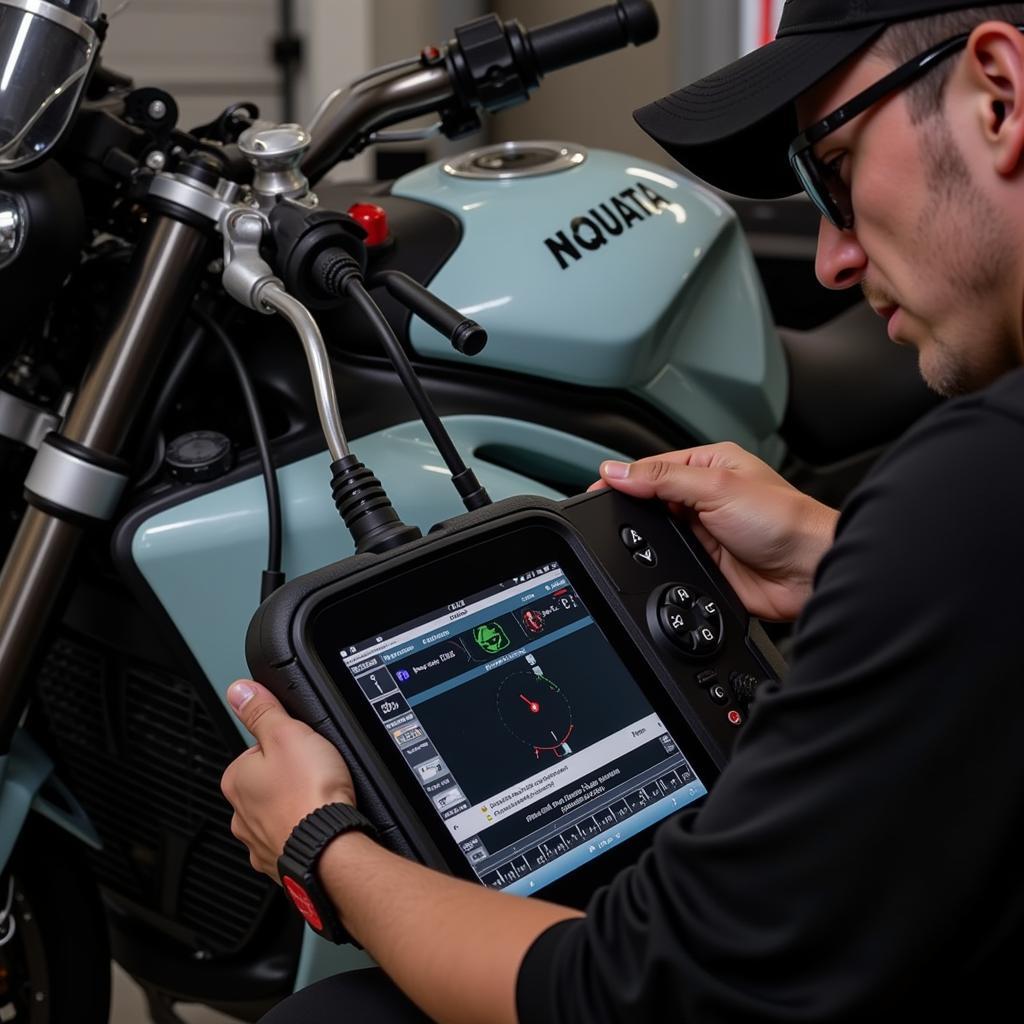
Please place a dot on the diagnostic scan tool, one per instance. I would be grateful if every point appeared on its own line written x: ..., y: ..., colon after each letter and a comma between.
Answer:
x: 523, y: 695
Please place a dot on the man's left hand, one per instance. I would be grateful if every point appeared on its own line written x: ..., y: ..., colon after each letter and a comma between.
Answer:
x: 273, y: 785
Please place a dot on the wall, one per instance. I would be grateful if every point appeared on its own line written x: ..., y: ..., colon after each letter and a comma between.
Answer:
x: 337, y: 42
x: 401, y: 29
x: 209, y: 53
x: 206, y: 53
x: 592, y: 103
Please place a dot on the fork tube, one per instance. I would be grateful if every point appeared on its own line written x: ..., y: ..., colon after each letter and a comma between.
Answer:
x: 167, y: 263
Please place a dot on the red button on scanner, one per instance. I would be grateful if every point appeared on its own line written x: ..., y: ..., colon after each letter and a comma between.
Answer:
x: 373, y: 219
x: 735, y: 718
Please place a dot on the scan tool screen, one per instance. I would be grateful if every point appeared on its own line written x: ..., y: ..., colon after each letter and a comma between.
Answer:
x: 533, y: 743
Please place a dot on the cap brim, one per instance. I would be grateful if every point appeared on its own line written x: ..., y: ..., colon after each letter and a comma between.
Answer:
x: 733, y: 128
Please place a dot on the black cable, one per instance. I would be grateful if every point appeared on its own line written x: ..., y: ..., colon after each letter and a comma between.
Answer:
x: 183, y: 357
x: 156, y: 461
x: 473, y: 495
x: 273, y: 577
x: 448, y: 451
x: 466, y: 335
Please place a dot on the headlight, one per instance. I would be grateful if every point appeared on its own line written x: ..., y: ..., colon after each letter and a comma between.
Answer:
x: 46, y: 52
x: 13, y: 226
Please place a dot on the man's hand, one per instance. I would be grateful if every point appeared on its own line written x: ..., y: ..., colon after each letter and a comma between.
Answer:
x: 273, y: 785
x: 765, y: 535
x: 453, y: 946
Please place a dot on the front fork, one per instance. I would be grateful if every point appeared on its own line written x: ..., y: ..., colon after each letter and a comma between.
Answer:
x: 77, y: 476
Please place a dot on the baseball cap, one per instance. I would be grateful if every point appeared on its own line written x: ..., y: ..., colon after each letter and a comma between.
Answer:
x: 733, y: 128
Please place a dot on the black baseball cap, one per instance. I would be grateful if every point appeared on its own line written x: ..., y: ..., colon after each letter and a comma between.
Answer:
x: 733, y: 128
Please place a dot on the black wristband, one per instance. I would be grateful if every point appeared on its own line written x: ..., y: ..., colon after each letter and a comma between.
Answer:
x: 298, y: 862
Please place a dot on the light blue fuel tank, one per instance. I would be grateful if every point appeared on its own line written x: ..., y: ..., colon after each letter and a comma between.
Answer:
x: 598, y: 269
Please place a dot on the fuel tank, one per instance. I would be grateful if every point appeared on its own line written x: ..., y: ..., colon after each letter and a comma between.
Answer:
x: 602, y: 270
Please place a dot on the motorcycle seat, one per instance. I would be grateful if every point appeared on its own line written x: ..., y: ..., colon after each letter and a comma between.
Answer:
x: 850, y: 388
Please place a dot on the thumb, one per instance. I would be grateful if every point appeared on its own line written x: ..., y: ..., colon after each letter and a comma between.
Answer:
x: 257, y: 708
x: 665, y: 478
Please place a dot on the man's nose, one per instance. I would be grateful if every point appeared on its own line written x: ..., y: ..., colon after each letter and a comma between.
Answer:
x: 840, y: 261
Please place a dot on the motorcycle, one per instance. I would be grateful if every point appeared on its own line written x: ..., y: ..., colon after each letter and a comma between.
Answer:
x: 163, y: 434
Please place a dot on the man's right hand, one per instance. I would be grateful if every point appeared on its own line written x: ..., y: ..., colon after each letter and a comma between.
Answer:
x: 765, y: 535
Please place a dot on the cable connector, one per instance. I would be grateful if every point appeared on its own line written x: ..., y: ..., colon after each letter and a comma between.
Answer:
x: 332, y: 270
x: 366, y: 509
x: 270, y: 580
x: 470, y: 489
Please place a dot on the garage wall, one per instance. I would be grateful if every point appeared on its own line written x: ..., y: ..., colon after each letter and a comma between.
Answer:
x: 592, y: 103
x: 337, y: 45
x: 209, y: 53
x: 206, y: 53
x: 401, y: 29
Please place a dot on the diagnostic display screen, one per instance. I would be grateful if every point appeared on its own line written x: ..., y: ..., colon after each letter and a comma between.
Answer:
x: 513, y: 714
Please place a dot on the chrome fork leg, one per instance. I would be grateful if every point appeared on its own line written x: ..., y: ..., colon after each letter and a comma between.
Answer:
x: 104, y: 411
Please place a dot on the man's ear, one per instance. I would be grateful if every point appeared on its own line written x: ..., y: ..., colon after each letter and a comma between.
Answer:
x: 995, y: 67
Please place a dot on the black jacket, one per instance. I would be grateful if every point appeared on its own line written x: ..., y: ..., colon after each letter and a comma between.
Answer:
x: 862, y: 850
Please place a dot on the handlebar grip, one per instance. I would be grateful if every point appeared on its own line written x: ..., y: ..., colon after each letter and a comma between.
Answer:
x: 592, y: 33
x: 495, y: 65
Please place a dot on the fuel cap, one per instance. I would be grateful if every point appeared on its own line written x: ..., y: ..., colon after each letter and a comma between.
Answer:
x: 199, y: 455
x: 508, y: 160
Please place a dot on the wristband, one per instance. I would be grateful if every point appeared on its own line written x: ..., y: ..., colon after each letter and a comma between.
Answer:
x: 298, y: 862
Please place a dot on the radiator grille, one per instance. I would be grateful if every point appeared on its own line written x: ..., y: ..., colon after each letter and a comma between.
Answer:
x: 145, y: 758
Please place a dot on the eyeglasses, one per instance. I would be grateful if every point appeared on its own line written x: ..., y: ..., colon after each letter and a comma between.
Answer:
x: 820, y: 179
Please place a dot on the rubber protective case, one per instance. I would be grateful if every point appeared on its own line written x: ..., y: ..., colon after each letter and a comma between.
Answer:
x: 281, y: 656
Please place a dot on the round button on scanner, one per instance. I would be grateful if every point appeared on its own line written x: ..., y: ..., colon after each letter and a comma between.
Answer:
x: 632, y: 538
x: 718, y: 694
x: 735, y: 718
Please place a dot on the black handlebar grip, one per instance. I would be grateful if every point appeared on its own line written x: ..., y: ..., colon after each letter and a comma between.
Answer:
x: 593, y: 33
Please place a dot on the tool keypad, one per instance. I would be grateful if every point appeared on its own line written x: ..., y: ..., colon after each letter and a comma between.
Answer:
x: 691, y: 620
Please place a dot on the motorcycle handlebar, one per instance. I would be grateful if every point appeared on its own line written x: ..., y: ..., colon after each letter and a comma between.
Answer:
x: 487, y: 65
x: 592, y: 34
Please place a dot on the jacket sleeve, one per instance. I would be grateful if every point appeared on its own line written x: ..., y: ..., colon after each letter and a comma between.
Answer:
x: 863, y: 827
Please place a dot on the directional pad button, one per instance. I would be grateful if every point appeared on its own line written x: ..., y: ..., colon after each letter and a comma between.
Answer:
x: 691, y: 620
x: 678, y: 626
x: 681, y: 596
x: 706, y: 640
x: 645, y: 556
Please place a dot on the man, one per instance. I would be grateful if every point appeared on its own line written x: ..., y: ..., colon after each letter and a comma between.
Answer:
x: 860, y: 851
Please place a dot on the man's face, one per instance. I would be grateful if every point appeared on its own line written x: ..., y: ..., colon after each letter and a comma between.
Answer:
x: 928, y: 246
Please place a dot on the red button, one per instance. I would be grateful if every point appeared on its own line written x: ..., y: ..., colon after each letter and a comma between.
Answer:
x: 373, y: 219
x: 734, y: 717
x: 430, y: 54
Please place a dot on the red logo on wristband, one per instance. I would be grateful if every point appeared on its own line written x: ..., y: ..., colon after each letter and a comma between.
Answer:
x: 302, y: 902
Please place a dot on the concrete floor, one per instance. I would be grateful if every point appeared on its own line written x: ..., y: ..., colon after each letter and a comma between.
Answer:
x: 129, y: 1006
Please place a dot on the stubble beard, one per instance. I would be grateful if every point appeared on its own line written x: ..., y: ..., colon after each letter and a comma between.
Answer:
x: 965, y: 246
